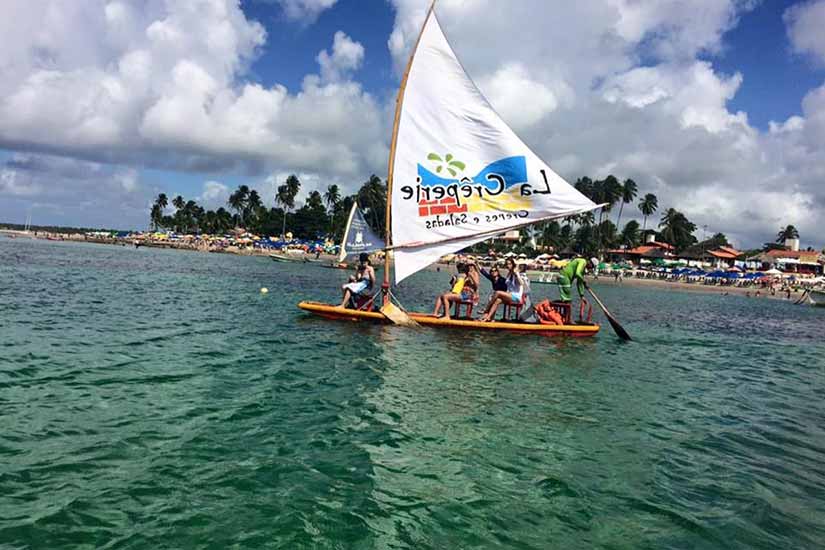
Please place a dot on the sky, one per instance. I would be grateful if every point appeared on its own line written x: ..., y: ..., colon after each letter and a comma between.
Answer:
x: 715, y: 106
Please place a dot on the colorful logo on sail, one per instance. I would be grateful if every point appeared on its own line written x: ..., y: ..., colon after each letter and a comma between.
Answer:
x: 500, y: 186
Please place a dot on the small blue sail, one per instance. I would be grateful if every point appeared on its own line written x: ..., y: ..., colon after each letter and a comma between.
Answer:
x: 359, y: 236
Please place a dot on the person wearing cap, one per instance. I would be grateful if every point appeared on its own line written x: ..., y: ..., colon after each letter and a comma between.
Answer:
x: 362, y: 283
x: 573, y: 271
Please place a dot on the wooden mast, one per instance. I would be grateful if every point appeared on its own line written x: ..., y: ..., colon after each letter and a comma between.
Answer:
x: 399, y: 101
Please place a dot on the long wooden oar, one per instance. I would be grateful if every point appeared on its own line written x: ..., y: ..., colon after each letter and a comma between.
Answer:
x: 617, y: 328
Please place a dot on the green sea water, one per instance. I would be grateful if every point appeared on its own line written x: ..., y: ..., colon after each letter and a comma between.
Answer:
x: 156, y: 399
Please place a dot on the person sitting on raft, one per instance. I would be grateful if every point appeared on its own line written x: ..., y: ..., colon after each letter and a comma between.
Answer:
x: 527, y: 312
x: 499, y: 284
x: 464, y: 289
x: 573, y: 271
x: 512, y: 296
x: 363, y: 281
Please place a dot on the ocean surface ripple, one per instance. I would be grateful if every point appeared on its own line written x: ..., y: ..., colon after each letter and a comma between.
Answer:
x: 156, y: 399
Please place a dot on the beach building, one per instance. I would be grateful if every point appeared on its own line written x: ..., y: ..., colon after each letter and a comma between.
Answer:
x: 724, y: 256
x: 808, y: 262
x: 650, y: 251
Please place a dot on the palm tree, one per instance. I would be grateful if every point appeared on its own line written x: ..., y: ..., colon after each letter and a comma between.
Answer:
x: 372, y: 197
x: 551, y: 235
x: 154, y: 216
x: 607, y: 234
x: 585, y: 187
x: 607, y: 191
x: 178, y: 203
x: 789, y: 232
x: 253, y: 200
x: 648, y: 206
x: 332, y: 197
x: 587, y: 218
x: 629, y: 191
x: 286, y: 197
x: 630, y: 234
x: 157, y: 210
x: 237, y: 201
x: 223, y: 220
x: 677, y: 229
x: 252, y: 208
x: 315, y: 201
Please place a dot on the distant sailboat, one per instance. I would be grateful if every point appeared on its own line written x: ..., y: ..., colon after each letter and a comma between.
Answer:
x: 817, y: 297
x: 358, y: 236
x: 458, y: 175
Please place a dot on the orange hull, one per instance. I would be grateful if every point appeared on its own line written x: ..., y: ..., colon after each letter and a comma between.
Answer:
x: 341, y: 314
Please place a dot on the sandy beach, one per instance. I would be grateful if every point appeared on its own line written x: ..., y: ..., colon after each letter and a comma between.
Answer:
x: 682, y: 286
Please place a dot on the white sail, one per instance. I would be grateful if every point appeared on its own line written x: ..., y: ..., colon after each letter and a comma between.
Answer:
x: 460, y: 173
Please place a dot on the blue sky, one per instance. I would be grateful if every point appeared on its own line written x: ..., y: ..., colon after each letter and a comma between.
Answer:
x: 775, y: 79
x: 291, y: 49
x: 105, y: 103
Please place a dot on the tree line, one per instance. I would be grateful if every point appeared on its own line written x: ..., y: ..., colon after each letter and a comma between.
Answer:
x: 325, y: 215
x: 591, y: 234
x: 321, y: 215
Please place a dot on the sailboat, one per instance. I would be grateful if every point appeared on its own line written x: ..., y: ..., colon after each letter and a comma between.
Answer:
x: 358, y: 236
x: 816, y: 296
x: 458, y: 175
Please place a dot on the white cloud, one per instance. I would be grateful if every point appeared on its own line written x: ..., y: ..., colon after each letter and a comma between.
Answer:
x: 805, y: 23
x: 519, y: 99
x: 127, y: 178
x: 305, y: 10
x: 675, y: 29
x: 213, y: 196
x: 165, y: 85
x: 14, y: 184
x: 64, y: 191
x: 693, y: 93
x: 347, y: 56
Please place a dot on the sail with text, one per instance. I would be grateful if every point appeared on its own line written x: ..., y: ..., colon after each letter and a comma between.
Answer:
x: 358, y: 236
x: 461, y: 175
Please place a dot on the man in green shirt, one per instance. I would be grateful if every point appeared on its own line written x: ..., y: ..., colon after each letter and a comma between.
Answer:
x: 573, y: 271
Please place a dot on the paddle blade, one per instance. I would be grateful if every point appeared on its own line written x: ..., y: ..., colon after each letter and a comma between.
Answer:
x: 617, y: 328
x: 397, y: 316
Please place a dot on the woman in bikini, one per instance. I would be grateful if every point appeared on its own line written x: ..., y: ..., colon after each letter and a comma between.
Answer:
x: 467, y: 293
